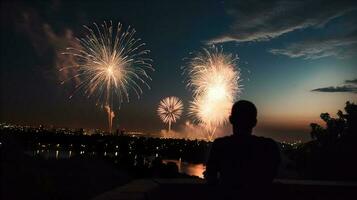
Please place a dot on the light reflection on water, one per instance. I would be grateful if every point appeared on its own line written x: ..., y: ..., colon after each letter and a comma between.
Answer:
x: 189, y: 168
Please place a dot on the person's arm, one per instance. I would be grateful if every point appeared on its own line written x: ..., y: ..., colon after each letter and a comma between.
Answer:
x: 212, y: 165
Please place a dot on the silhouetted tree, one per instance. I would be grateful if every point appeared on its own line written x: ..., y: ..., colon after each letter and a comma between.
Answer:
x: 330, y: 155
x: 344, y: 123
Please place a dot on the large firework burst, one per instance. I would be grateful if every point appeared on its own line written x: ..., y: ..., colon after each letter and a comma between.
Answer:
x: 109, y: 63
x: 214, y: 80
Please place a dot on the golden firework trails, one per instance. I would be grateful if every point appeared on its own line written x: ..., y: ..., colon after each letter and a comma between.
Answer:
x: 110, y: 62
x: 214, y: 79
x: 170, y: 110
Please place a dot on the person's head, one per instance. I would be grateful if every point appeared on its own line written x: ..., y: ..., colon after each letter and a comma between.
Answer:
x: 243, y: 117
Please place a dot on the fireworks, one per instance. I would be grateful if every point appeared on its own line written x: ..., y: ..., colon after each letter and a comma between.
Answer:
x: 170, y: 110
x: 109, y: 63
x: 214, y: 80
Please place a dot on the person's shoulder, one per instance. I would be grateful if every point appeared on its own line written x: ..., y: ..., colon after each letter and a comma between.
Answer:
x: 267, y: 141
x: 270, y: 147
x: 222, y: 140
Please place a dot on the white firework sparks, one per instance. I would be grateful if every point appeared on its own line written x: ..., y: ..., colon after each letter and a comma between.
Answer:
x: 110, y: 63
x: 170, y: 110
x: 214, y: 80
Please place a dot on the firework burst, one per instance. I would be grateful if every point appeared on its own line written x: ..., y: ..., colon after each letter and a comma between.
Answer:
x: 214, y: 80
x: 170, y: 110
x: 110, y: 63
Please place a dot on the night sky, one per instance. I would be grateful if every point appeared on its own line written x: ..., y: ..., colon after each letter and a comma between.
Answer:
x: 297, y: 58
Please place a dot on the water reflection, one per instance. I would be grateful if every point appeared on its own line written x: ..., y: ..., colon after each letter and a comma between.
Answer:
x: 189, y: 168
x: 50, y: 154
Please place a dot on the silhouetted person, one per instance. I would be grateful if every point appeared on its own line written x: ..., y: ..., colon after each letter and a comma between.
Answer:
x: 242, y: 165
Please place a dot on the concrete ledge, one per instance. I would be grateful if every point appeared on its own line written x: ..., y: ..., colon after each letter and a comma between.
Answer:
x: 148, y: 189
x: 138, y: 189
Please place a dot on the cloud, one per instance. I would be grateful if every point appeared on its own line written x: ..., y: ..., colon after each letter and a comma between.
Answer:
x: 344, y: 88
x: 262, y: 20
x: 350, y: 86
x: 338, y: 46
x: 353, y: 81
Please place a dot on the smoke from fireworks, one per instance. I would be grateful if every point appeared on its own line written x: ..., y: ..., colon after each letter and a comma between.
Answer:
x: 110, y: 62
x: 214, y: 80
x: 111, y: 115
x: 170, y: 110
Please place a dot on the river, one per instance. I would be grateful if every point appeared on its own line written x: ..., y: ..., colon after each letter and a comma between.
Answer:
x: 189, y: 168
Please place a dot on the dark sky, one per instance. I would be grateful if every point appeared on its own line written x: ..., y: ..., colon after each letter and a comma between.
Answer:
x: 298, y: 58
